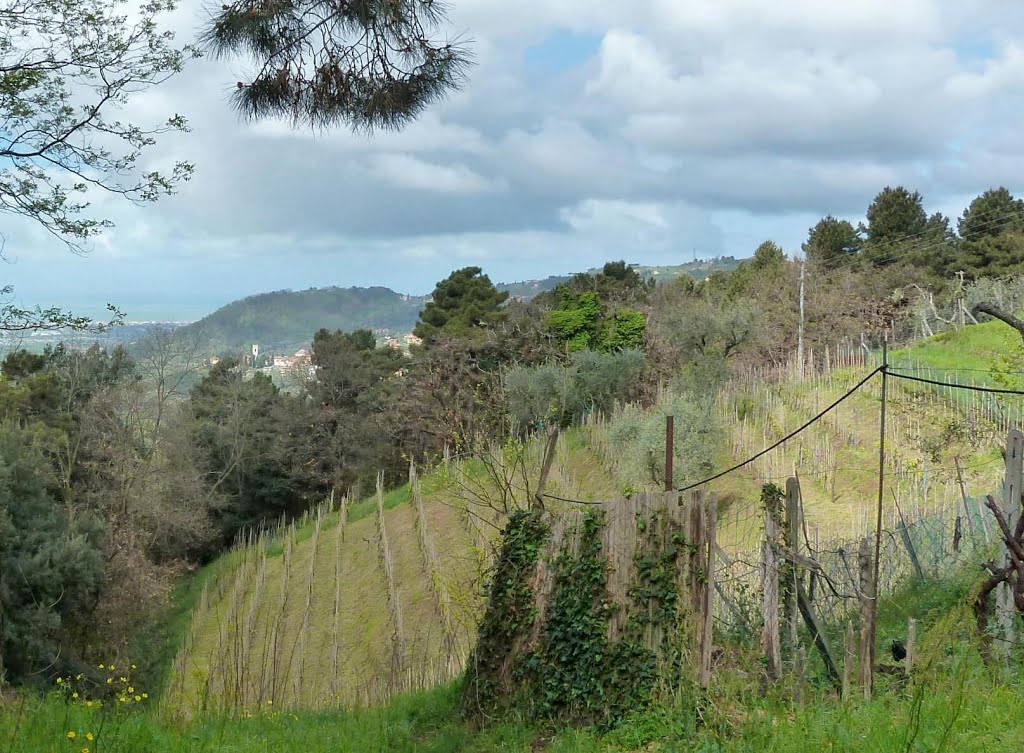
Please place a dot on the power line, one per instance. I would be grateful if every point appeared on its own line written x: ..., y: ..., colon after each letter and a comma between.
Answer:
x: 954, y: 385
x: 786, y: 438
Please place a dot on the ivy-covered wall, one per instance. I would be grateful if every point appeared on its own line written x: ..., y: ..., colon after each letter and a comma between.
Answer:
x: 588, y: 613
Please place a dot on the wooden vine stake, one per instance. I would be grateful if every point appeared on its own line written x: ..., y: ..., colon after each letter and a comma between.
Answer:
x: 849, y: 659
x: 398, y: 653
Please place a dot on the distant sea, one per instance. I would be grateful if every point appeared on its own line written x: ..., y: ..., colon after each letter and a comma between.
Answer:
x: 139, y: 318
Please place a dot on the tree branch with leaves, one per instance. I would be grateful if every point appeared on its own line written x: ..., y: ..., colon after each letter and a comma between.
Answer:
x: 365, y: 63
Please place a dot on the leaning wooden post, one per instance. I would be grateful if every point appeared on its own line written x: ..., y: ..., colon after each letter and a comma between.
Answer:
x: 791, y: 569
x: 867, y: 615
x: 549, y: 459
x: 1013, y: 484
x: 770, y: 601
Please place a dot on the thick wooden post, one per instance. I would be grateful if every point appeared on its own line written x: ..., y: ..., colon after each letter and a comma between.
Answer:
x: 792, y: 571
x: 770, y: 601
x: 1013, y: 484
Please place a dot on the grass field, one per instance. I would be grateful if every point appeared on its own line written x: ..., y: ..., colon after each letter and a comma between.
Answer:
x: 953, y: 703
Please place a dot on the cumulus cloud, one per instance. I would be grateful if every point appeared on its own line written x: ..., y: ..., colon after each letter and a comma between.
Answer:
x: 666, y: 127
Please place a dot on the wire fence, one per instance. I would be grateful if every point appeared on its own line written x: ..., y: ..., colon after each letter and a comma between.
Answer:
x: 937, y: 544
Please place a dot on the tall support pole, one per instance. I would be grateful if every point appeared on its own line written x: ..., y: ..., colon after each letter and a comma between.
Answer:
x: 875, y: 570
x: 800, y: 331
x: 670, y: 451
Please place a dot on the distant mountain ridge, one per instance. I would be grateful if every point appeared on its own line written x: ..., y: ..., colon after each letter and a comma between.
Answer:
x: 287, y: 319
x: 699, y: 270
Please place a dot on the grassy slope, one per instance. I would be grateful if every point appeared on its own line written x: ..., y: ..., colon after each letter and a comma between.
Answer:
x: 254, y: 639
x: 836, y: 459
x: 954, y: 704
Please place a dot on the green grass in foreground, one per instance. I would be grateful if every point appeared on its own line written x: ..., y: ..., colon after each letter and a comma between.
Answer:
x: 961, y: 709
x: 954, y: 703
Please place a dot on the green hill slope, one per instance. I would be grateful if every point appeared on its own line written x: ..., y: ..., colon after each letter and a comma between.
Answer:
x: 318, y: 617
x: 287, y: 319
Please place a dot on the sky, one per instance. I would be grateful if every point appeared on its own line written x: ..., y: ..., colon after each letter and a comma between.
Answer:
x: 652, y: 131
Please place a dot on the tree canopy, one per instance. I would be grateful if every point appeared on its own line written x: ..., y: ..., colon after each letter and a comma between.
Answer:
x: 66, y: 68
x: 895, y: 214
x: 363, y: 63
x: 461, y: 304
x: 831, y: 241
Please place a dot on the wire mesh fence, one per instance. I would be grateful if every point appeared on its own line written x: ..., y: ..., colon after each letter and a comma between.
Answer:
x: 936, y: 543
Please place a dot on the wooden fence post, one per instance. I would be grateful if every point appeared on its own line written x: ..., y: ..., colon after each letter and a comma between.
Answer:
x: 770, y: 601
x: 791, y: 569
x: 867, y: 613
x: 707, y: 613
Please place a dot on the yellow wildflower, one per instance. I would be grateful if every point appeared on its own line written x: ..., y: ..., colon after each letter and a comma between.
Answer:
x: 110, y: 680
x: 89, y: 736
x: 138, y: 698
x: 270, y: 702
x: 60, y: 680
x: 145, y: 695
x: 131, y: 689
x: 134, y: 667
x: 74, y: 696
x: 72, y: 735
x: 101, y: 666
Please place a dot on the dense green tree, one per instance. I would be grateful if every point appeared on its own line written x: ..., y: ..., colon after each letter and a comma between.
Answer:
x: 255, y: 444
x: 893, y: 216
x: 51, y: 560
x: 350, y: 388
x: 582, y: 322
x: 462, y: 305
x: 992, y: 255
x: 995, y: 212
x: 365, y: 63
x: 831, y: 241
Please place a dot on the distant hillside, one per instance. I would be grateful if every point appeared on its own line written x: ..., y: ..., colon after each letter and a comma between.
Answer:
x: 286, y: 318
x: 698, y: 270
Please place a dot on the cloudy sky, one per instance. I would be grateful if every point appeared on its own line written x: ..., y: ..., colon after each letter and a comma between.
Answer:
x: 650, y: 130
